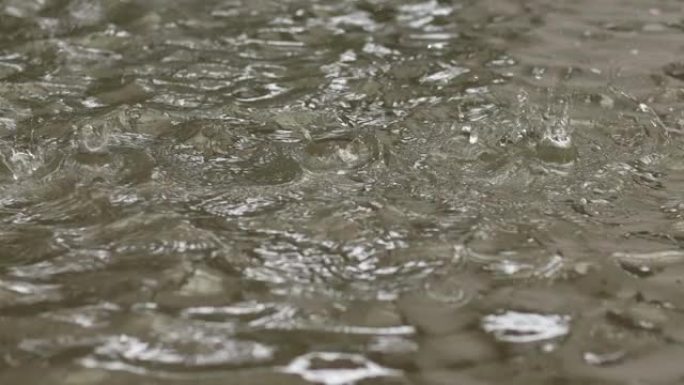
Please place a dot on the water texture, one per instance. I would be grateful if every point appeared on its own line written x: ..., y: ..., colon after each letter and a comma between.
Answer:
x: 341, y: 192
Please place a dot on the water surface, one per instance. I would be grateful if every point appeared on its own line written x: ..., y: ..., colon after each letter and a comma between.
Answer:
x: 339, y: 192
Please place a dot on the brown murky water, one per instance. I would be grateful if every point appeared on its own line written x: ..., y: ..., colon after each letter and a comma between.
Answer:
x: 338, y: 192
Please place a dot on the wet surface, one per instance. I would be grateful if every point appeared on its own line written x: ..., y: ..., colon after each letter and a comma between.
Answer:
x: 337, y: 192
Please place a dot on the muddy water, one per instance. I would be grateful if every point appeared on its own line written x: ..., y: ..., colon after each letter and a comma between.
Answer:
x: 339, y: 192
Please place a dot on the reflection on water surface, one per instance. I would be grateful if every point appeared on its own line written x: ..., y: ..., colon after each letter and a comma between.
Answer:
x: 338, y: 192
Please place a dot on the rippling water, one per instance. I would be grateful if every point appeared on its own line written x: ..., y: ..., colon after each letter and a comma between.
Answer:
x: 340, y: 192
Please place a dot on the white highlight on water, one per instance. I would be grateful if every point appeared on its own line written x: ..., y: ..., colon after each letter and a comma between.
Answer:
x: 363, y: 368
x: 518, y: 327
